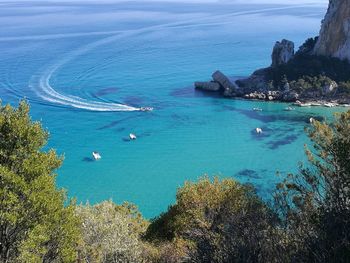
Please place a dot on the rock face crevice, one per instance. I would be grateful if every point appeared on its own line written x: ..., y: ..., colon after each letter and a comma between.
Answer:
x: 334, y: 38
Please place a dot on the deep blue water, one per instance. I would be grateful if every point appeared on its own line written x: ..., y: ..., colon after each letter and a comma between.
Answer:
x: 86, y: 67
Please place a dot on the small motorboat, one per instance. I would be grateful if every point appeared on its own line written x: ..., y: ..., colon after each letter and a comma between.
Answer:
x: 96, y: 155
x: 289, y: 109
x: 258, y: 130
x: 330, y: 105
x: 257, y: 109
x: 132, y: 136
x: 311, y: 120
x: 146, y: 109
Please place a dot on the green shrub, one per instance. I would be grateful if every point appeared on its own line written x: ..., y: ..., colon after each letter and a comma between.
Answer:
x: 219, y: 220
x: 112, y: 233
x: 35, y: 226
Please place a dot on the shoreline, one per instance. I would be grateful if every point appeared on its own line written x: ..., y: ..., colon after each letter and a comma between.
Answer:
x: 229, y: 87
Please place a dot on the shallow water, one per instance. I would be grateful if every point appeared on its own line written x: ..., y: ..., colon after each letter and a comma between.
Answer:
x: 85, y: 68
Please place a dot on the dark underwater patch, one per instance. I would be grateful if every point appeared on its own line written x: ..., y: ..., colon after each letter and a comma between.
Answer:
x: 105, y: 91
x: 268, y: 118
x: 88, y: 159
x: 283, y: 141
x: 120, y: 129
x: 178, y: 117
x: 115, y: 123
x: 191, y: 92
x: 248, y: 173
x: 257, y: 116
x: 133, y: 100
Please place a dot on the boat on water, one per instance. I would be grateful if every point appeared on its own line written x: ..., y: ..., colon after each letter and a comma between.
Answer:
x: 257, y: 109
x: 96, y: 155
x: 330, y: 105
x: 146, y: 109
x: 289, y: 108
x: 132, y: 136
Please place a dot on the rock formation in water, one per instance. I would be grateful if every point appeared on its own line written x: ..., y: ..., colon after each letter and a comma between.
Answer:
x: 219, y: 83
x: 318, y: 71
x: 282, y: 52
x: 334, y: 38
x: 207, y: 85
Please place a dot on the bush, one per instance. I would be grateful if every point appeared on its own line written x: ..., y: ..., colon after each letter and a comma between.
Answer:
x: 305, y: 67
x: 220, y: 220
x: 112, y: 233
x: 315, y: 204
x: 35, y: 226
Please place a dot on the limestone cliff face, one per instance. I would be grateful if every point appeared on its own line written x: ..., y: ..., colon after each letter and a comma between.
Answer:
x: 282, y: 52
x: 334, y: 39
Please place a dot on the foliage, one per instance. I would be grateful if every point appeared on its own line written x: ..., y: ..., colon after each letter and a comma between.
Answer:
x: 35, y: 226
x: 344, y: 88
x: 309, y: 69
x: 212, y: 220
x: 316, y: 202
x: 315, y: 84
x: 220, y: 220
x: 308, y: 46
x: 112, y: 233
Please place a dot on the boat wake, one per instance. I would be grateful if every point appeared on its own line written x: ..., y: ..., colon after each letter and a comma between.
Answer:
x: 46, y: 92
x: 42, y: 87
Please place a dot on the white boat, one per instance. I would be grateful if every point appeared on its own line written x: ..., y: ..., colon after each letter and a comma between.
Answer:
x: 289, y: 109
x: 96, y: 155
x: 258, y: 130
x: 305, y: 105
x: 132, y: 136
x: 257, y: 109
x: 312, y: 120
x: 330, y: 105
x: 316, y: 104
x: 146, y: 109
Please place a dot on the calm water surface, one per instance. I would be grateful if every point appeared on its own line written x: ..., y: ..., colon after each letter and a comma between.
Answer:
x: 86, y: 67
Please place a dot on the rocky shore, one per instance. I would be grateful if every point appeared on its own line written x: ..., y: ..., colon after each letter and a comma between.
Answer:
x: 318, y: 74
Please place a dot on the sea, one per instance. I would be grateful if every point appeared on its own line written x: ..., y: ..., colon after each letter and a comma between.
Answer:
x: 86, y: 68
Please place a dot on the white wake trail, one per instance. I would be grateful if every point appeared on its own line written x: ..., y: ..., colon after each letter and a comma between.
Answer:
x: 44, y: 90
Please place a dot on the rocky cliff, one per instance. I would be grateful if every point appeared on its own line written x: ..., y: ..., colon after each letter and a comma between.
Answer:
x: 282, y: 52
x: 334, y: 39
x: 318, y: 71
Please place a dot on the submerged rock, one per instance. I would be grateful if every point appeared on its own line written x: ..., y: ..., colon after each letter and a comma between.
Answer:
x: 334, y: 39
x: 207, y: 86
x: 282, y: 52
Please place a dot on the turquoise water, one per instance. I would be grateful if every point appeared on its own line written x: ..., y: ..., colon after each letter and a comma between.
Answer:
x: 85, y: 68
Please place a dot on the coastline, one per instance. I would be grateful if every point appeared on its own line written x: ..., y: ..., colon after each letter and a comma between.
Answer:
x: 228, y: 87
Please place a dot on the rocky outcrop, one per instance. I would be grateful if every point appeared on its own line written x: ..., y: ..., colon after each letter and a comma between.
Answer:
x: 207, y: 86
x: 224, y: 81
x: 304, y: 76
x: 282, y: 52
x: 220, y: 82
x: 329, y: 88
x: 334, y: 38
x: 256, y: 82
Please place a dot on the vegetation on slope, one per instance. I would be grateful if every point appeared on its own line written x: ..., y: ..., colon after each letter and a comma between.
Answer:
x: 35, y: 226
x: 306, y: 71
x: 212, y: 220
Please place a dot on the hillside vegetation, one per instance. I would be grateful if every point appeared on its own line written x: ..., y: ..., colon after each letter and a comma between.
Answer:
x: 212, y: 220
